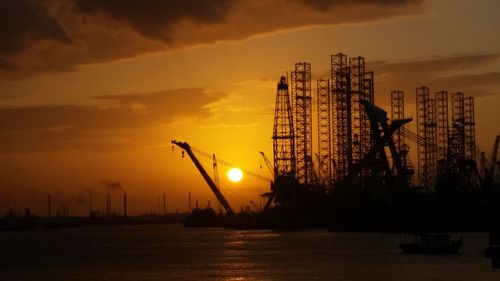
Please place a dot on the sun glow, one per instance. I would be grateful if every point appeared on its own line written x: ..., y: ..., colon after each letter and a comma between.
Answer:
x: 234, y: 175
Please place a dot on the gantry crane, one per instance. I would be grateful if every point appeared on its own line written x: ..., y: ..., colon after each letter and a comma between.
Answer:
x: 220, y: 197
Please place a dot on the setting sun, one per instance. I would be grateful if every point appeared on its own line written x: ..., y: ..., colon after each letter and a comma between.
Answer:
x: 234, y: 175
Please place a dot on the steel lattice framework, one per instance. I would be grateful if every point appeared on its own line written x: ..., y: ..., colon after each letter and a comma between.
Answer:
x: 432, y: 134
x: 283, y: 133
x: 426, y: 133
x: 301, y: 90
x: 359, y: 120
x: 442, y: 123
x: 365, y: 125
x: 398, y: 113
x: 456, y: 144
x: 469, y: 129
x: 324, y: 132
x: 342, y: 144
x: 399, y: 137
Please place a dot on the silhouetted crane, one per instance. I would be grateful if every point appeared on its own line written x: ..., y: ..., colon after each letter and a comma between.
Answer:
x: 222, y: 200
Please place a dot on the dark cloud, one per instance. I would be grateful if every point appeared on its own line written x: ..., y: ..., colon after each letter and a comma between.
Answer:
x: 112, y: 185
x: 104, y: 125
x: 326, y: 4
x: 107, y: 30
x: 155, y: 18
x: 439, y: 73
x: 24, y: 22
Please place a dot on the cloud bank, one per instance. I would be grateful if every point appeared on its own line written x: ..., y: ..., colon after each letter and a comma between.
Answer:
x: 60, y: 35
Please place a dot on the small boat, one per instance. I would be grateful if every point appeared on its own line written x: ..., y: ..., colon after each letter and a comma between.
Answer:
x: 493, y: 251
x: 432, y: 244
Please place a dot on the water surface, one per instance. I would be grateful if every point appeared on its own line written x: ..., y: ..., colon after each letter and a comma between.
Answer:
x: 171, y: 252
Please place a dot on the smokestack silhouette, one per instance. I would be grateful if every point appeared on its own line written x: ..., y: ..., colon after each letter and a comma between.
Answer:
x: 109, y: 203
x: 90, y: 203
x: 189, y: 206
x: 50, y: 207
x: 125, y: 204
x: 164, y: 205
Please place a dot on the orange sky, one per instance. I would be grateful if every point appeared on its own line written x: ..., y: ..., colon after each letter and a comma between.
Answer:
x: 92, y: 92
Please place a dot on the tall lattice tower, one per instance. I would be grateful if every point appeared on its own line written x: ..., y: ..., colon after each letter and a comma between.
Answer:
x: 399, y: 138
x: 442, y: 124
x: 341, y: 113
x: 432, y: 134
x: 469, y: 129
x: 324, y: 132
x: 456, y: 143
x: 471, y: 178
x: 367, y: 139
x: 398, y: 113
x: 301, y: 90
x: 283, y: 133
x: 358, y: 118
x: 425, y: 136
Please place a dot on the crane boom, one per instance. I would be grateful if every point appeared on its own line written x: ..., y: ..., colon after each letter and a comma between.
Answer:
x: 208, y: 179
x: 268, y: 163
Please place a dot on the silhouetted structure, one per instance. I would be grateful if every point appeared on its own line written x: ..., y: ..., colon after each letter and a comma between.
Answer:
x: 325, y: 174
x: 302, y: 103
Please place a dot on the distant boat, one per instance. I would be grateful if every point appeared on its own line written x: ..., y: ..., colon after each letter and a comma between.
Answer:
x: 493, y: 251
x: 432, y: 244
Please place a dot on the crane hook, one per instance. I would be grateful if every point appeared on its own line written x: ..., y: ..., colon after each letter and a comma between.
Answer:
x: 183, y: 154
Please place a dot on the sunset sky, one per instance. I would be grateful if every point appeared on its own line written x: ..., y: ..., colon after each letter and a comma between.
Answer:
x: 92, y: 91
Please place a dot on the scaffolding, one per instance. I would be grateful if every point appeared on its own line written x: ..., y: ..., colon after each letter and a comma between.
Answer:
x: 301, y: 91
x: 283, y: 133
x: 342, y: 145
x: 324, y: 133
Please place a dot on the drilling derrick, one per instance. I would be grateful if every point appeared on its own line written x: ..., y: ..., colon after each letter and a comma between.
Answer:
x: 341, y: 112
x: 442, y: 132
x: 471, y: 179
x: 397, y: 113
x: 301, y: 91
x: 442, y: 123
x: 456, y: 145
x: 324, y: 133
x: 426, y: 137
x: 369, y: 86
x: 432, y: 129
x: 402, y: 148
x: 358, y: 115
x: 370, y: 135
x: 283, y: 134
x: 469, y: 129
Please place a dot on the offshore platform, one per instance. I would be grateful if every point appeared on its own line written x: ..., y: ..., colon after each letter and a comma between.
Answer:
x: 361, y: 176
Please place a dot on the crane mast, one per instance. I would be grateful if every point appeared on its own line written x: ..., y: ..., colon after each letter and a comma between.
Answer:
x: 186, y: 147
